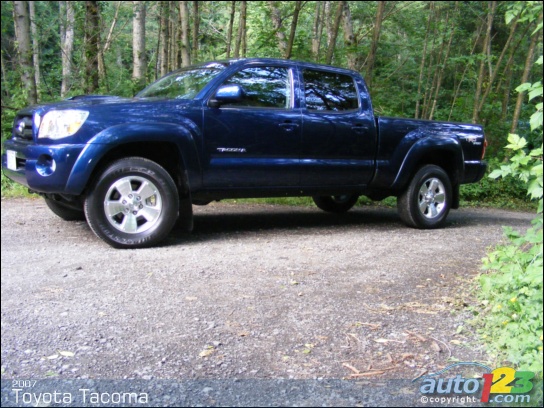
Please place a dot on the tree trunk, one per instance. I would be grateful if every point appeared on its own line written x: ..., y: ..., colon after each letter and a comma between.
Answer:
x: 491, y: 13
x: 5, y: 87
x: 334, y: 34
x: 101, y: 64
x: 443, y: 66
x: 294, y: 22
x: 174, y: 39
x: 529, y: 61
x: 196, y: 29
x: 92, y: 46
x: 422, y: 66
x: 35, y: 45
x: 185, y: 41
x: 231, y: 23
x: 329, y: 18
x: 240, y: 46
x: 67, y: 18
x: 138, y: 45
x: 243, y: 21
x: 430, y: 72
x: 375, y: 38
x: 22, y: 33
x: 163, y: 38
x: 318, y: 26
x: 458, y: 88
x: 498, y: 64
x: 277, y: 25
x: 349, y: 38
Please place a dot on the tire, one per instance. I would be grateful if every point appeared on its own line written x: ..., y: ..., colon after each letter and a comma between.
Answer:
x: 63, y: 211
x: 336, y: 204
x: 426, y: 202
x: 133, y: 204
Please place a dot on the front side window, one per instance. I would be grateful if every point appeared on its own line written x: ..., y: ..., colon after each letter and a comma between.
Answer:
x: 329, y: 91
x: 263, y: 87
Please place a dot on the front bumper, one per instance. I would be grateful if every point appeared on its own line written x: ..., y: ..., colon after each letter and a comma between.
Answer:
x: 42, y: 168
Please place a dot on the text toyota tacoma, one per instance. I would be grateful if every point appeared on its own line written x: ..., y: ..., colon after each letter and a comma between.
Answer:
x: 133, y: 167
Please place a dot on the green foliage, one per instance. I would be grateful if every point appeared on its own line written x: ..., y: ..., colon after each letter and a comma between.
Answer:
x: 11, y: 189
x: 507, y: 192
x: 512, y: 294
x: 512, y: 288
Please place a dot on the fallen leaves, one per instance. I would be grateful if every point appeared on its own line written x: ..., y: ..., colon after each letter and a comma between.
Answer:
x: 60, y: 353
x: 207, y: 352
x: 388, y: 341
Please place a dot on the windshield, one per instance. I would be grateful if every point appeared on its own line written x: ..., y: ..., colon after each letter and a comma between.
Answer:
x: 182, y: 84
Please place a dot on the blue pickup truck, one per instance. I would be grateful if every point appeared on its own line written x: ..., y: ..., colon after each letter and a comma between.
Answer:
x: 133, y: 167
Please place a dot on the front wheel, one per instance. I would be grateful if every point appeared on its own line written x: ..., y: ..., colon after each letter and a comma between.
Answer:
x: 133, y: 204
x: 427, y: 201
x: 336, y: 204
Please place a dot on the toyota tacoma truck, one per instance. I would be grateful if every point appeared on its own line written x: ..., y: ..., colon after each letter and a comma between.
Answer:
x: 133, y: 167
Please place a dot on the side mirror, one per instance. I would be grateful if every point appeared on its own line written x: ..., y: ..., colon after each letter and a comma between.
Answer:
x: 226, y: 94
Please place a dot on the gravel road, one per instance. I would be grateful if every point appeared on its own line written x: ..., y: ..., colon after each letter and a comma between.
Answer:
x: 265, y: 305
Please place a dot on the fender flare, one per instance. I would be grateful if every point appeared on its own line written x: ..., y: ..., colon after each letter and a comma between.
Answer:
x: 114, y: 137
x: 430, y: 149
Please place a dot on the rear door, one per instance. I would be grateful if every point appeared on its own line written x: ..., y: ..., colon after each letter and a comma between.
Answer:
x: 254, y: 142
x: 338, y: 136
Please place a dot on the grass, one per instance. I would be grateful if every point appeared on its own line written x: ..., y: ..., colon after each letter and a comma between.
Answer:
x: 12, y: 190
x: 307, y: 201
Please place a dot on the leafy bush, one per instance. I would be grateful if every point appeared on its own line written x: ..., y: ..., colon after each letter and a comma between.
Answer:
x: 512, y: 289
x: 508, y: 192
x: 513, y: 296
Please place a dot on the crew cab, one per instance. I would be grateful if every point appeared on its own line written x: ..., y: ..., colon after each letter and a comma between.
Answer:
x: 133, y: 167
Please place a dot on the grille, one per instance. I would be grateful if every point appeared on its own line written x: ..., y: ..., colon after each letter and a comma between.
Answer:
x: 22, y: 128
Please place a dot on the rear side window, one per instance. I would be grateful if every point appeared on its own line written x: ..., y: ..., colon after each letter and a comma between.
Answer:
x: 329, y: 91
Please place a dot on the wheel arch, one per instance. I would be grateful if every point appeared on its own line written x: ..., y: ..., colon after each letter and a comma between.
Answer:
x: 171, y: 146
x: 443, y: 151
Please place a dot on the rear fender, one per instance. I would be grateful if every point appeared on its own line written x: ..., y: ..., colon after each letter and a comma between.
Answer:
x: 439, y: 148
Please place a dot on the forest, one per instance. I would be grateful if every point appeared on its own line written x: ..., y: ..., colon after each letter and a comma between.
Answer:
x: 441, y: 60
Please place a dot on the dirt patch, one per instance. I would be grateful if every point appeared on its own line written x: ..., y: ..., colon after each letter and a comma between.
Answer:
x: 256, y: 292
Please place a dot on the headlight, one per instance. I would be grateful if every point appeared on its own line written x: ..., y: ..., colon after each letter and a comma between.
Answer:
x: 63, y: 123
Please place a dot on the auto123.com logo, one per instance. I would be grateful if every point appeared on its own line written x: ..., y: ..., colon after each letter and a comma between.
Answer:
x: 501, y: 385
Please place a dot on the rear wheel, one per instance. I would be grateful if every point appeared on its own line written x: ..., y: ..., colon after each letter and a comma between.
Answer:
x: 336, y: 204
x: 133, y: 204
x: 427, y: 200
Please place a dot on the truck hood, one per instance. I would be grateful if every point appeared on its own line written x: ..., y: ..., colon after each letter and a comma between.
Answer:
x: 108, y: 111
x: 86, y: 102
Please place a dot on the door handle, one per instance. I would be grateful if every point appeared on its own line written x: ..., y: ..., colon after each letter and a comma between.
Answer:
x: 288, y: 126
x: 359, y: 128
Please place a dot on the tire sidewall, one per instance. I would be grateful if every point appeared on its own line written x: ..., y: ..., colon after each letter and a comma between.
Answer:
x: 329, y: 204
x: 63, y: 211
x: 425, y: 173
x: 94, y: 204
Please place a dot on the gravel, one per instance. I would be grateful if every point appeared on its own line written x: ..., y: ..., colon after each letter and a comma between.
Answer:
x: 260, y: 305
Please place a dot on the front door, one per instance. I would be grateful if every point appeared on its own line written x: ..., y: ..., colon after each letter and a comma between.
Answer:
x: 254, y: 142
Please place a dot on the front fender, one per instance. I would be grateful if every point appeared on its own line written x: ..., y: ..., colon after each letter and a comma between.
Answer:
x: 114, y: 137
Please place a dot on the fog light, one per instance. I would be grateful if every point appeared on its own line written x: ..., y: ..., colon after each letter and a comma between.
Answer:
x: 45, y: 165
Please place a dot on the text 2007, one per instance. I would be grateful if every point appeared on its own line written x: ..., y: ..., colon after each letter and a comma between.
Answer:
x: 23, y: 383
